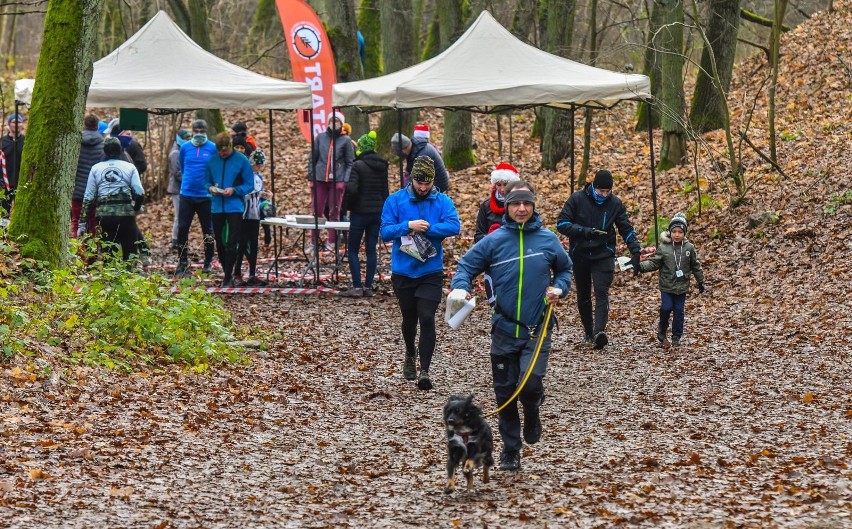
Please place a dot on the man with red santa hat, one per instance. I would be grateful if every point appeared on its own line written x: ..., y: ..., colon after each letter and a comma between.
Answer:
x: 421, y: 130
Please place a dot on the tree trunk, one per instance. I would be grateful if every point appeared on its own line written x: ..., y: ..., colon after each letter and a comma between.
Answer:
x: 370, y: 24
x: 775, y: 47
x: 587, y: 122
x: 673, y: 149
x: 10, y: 24
x: 652, y: 68
x: 199, y: 22
x: 398, y: 51
x: 42, y: 209
x: 723, y: 23
x: 457, y: 149
x: 266, y: 35
x: 558, y: 34
x: 342, y: 29
x: 525, y: 22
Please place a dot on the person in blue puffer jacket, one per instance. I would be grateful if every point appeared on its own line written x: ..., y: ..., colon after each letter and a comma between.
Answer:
x: 419, y: 210
x: 228, y: 178
x: 530, y: 269
x: 194, y: 198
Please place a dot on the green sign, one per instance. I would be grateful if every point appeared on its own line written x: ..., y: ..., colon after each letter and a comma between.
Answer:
x: 133, y: 119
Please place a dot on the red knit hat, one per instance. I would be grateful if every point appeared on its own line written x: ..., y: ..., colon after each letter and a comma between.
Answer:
x: 505, y: 172
x: 421, y: 131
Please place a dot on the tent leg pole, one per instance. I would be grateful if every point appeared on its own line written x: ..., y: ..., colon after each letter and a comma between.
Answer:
x: 653, y: 172
x: 315, y: 241
x: 399, y: 131
x: 572, y: 150
x: 271, y: 156
x: 511, y: 138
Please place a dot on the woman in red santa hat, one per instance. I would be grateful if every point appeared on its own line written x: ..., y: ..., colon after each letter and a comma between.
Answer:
x: 491, y: 213
x: 492, y: 209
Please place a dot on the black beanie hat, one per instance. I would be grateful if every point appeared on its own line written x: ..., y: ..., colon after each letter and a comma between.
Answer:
x: 603, y: 179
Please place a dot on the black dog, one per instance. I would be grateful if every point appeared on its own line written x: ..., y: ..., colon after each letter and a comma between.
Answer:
x: 469, y: 441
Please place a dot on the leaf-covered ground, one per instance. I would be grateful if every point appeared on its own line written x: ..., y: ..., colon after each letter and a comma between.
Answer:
x: 747, y: 425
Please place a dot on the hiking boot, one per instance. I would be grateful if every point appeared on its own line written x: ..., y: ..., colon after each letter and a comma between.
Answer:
x: 352, y: 293
x: 369, y: 292
x: 588, y: 340
x: 423, y: 381
x: 532, y: 425
x: 227, y: 283
x: 510, y: 461
x: 676, y: 341
x: 601, y: 340
x: 409, y: 370
x: 661, y: 337
x: 254, y: 281
x: 207, y: 268
x: 175, y: 245
x: 181, y: 270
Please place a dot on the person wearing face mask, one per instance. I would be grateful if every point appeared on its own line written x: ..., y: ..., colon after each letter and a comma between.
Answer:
x: 194, y: 195
x: 330, y: 166
x: 182, y: 136
x: 418, y: 210
x: 131, y: 148
x: 590, y: 218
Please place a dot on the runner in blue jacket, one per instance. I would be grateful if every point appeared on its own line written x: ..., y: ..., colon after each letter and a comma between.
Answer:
x: 228, y: 178
x: 419, y: 210
x: 529, y: 269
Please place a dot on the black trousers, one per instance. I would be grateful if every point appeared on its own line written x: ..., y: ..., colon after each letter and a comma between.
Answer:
x: 121, y: 231
x: 418, y: 300
x: 187, y: 209
x: 228, y: 228
x: 510, y: 359
x: 248, y: 247
x: 595, y: 275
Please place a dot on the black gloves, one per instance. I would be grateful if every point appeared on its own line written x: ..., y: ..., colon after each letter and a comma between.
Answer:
x: 634, y: 261
x: 592, y: 233
x: 701, y: 288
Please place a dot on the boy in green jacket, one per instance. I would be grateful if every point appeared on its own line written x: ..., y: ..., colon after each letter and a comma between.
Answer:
x: 677, y: 260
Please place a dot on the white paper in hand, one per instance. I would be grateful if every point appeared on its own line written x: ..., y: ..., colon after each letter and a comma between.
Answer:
x: 458, y: 308
x: 624, y: 263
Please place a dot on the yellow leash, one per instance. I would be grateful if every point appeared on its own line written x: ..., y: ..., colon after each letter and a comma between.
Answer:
x: 541, y: 337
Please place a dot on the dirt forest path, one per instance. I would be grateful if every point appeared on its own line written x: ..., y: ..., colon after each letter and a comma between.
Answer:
x: 323, y: 431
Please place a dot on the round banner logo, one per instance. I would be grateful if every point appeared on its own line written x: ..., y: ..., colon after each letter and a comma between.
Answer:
x: 306, y: 40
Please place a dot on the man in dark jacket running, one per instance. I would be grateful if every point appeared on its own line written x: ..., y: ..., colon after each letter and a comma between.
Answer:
x: 589, y: 219
x: 530, y: 270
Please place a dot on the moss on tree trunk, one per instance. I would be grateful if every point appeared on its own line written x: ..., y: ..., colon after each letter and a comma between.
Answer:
x: 707, y: 112
x: 673, y: 150
x: 369, y: 22
x: 457, y: 148
x: 42, y: 209
x: 652, y: 68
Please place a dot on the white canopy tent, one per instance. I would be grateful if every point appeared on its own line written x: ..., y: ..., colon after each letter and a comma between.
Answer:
x: 161, y: 67
x: 488, y: 68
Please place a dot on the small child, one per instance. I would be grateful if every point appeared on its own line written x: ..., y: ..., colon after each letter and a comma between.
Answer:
x: 676, y: 259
